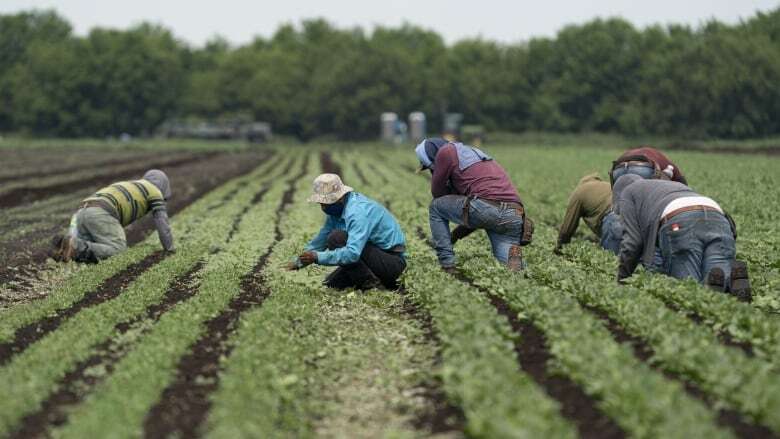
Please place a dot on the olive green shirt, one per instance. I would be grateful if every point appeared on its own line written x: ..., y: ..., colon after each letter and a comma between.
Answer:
x: 590, y: 201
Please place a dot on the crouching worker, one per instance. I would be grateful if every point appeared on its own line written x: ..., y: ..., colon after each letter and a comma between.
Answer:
x: 591, y: 201
x: 97, y: 229
x: 359, y: 236
x: 648, y: 163
x: 696, y: 238
x: 470, y: 189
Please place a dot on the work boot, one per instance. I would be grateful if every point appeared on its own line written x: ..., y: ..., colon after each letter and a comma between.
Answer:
x: 740, y: 284
x: 67, y: 248
x: 515, y: 259
x: 716, y: 280
x: 55, y: 252
x: 449, y: 270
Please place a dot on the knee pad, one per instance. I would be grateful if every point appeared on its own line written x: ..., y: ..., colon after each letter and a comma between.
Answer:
x: 337, y: 239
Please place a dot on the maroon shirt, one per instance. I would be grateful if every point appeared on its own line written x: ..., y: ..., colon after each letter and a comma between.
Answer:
x: 654, y: 156
x: 485, y: 179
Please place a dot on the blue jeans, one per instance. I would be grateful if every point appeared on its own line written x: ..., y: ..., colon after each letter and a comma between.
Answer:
x: 642, y: 171
x: 611, y: 232
x: 503, y: 225
x: 693, y: 243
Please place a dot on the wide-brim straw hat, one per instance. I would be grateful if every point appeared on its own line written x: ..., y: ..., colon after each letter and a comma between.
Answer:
x: 328, y: 188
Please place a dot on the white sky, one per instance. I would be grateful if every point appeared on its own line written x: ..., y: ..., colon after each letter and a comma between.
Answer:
x: 196, y: 21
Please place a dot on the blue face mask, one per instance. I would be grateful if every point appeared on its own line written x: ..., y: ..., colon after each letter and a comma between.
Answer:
x: 335, y: 209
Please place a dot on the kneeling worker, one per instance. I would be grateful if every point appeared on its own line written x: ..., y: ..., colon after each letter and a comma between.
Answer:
x: 697, y: 239
x: 359, y: 236
x: 470, y: 189
x: 591, y: 201
x: 97, y: 229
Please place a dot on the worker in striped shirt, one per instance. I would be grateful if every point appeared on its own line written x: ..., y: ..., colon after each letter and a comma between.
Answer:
x: 96, y: 230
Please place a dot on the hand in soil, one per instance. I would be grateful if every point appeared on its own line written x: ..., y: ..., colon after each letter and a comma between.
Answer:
x: 308, y: 258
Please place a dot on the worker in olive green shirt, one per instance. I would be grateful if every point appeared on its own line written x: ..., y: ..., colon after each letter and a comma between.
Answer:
x: 591, y: 201
x: 97, y: 228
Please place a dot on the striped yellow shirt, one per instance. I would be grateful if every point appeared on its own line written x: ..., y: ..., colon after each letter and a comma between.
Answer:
x: 130, y: 200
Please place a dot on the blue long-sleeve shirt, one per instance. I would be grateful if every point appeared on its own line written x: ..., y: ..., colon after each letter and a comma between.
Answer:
x: 365, y: 221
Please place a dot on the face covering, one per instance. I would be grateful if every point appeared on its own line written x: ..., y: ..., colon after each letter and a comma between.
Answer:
x: 335, y: 209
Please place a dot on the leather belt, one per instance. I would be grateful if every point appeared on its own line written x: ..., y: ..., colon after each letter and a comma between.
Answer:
x: 502, y: 204
x: 688, y: 209
x: 101, y: 204
x: 633, y: 163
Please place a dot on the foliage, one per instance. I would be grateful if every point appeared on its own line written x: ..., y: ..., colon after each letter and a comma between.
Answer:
x: 314, y: 80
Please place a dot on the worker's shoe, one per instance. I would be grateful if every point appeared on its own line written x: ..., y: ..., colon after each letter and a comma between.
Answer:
x: 515, y: 260
x: 740, y: 284
x: 449, y: 270
x: 716, y: 279
x: 67, y: 248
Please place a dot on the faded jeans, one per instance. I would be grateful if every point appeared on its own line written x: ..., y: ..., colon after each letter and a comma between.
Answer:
x: 98, y: 235
x: 694, y: 242
x: 611, y: 232
x: 642, y: 171
x: 503, y: 225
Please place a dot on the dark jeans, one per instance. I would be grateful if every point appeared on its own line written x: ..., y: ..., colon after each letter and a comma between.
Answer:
x: 693, y: 243
x: 642, y: 171
x: 375, y: 265
x: 611, y: 232
x: 504, y: 227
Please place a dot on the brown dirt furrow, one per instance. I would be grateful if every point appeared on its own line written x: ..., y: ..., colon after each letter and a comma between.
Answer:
x: 185, y: 403
x: 726, y: 418
x: 20, y: 196
x: 78, y: 383
x: 328, y: 165
x: 361, y: 177
x: 533, y: 356
x: 111, y: 288
x: 190, y: 181
x: 75, y: 168
x: 440, y: 415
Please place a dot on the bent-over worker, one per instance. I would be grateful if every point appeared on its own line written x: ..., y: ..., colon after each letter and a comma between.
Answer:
x: 97, y: 229
x: 697, y: 239
x: 359, y: 236
x: 472, y: 190
x: 591, y: 201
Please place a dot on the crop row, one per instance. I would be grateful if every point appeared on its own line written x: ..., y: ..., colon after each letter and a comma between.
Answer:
x: 645, y: 404
x: 151, y: 365
x: 479, y: 370
x: 33, y: 373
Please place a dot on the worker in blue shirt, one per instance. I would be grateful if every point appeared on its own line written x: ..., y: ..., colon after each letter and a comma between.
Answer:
x: 359, y: 236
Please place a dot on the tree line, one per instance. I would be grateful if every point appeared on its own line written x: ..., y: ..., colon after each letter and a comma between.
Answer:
x: 314, y: 79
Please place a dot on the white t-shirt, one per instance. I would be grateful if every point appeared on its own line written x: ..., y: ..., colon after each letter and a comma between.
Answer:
x: 690, y: 201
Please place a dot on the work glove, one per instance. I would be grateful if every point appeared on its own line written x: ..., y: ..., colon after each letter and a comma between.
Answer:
x: 459, y: 233
x: 307, y: 258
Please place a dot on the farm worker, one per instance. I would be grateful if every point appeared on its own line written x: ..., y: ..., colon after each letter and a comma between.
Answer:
x: 696, y: 238
x: 97, y: 228
x: 591, y: 201
x: 646, y: 162
x: 470, y: 189
x: 359, y: 236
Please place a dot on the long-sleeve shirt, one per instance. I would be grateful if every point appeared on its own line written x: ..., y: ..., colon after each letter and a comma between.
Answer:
x: 640, y: 206
x: 590, y: 201
x: 128, y: 201
x: 655, y: 156
x: 365, y: 221
x: 486, y: 179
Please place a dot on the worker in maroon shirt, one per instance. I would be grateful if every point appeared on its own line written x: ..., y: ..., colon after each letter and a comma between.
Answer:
x: 647, y: 163
x: 470, y: 189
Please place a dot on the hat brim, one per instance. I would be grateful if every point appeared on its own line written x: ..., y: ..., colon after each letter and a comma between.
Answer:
x: 330, y: 198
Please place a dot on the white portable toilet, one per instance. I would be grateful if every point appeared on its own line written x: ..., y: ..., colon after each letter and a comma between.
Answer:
x: 388, y: 122
x: 417, y: 126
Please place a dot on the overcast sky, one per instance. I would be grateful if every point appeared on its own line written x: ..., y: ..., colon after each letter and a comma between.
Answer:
x: 196, y: 21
